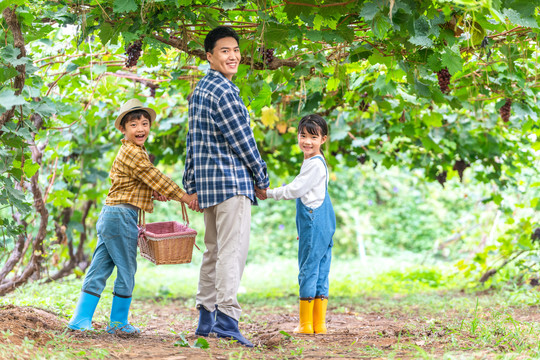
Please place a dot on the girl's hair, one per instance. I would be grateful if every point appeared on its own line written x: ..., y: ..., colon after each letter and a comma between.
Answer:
x: 314, y: 124
x: 134, y: 115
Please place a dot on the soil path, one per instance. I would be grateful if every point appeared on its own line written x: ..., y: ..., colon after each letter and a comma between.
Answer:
x: 351, y: 335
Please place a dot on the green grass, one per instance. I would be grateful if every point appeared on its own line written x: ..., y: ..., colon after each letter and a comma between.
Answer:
x: 471, y: 322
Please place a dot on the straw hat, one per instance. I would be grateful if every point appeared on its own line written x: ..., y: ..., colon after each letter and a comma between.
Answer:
x: 132, y: 105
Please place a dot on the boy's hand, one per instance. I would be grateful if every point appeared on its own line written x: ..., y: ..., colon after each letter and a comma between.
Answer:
x: 192, y: 201
x: 159, y: 197
x: 260, y: 193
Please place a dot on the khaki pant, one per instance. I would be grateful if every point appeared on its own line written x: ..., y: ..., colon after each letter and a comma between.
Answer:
x: 227, y: 242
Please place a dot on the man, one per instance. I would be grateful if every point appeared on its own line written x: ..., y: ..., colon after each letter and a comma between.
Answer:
x: 223, y: 166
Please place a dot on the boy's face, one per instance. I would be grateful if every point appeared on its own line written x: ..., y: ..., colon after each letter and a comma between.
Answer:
x: 137, y: 130
x: 225, y: 57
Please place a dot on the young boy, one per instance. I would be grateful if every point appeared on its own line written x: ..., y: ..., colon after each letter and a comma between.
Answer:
x: 133, y: 181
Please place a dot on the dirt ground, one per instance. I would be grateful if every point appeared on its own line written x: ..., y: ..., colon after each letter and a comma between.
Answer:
x: 351, y: 335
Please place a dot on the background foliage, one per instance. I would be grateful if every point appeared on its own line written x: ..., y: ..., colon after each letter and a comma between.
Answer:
x: 445, y: 90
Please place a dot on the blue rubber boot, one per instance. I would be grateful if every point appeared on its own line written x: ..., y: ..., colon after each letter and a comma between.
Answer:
x: 207, y: 320
x: 82, y: 317
x: 227, y: 327
x: 119, y: 317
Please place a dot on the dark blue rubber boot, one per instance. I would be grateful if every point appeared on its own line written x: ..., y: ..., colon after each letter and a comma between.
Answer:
x: 119, y: 317
x: 227, y: 327
x: 82, y: 317
x: 207, y: 321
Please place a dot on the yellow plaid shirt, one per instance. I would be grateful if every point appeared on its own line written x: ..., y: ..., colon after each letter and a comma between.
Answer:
x: 133, y: 178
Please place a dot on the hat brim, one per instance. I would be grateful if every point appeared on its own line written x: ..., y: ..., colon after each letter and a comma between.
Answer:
x: 150, y: 112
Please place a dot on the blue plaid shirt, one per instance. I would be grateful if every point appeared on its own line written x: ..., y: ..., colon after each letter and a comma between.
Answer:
x: 222, y: 159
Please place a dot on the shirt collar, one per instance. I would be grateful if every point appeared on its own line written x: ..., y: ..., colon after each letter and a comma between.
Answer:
x: 212, y: 72
x: 129, y: 143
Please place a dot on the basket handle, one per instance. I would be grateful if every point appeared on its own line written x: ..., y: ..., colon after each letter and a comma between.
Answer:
x: 142, y: 218
x: 184, y: 214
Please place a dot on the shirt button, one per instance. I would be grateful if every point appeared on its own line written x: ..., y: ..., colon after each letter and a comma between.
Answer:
x: 310, y: 211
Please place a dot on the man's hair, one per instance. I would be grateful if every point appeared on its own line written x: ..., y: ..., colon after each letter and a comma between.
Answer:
x: 135, y: 115
x: 219, y: 33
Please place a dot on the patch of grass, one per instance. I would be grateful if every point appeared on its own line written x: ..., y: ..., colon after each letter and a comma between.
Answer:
x: 60, y: 348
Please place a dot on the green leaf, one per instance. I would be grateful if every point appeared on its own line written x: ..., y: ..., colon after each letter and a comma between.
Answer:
x: 8, y: 99
x: 123, y: 6
x: 332, y: 84
x: 521, y: 19
x: 369, y: 10
x: 452, y: 61
x: 9, y: 54
x: 201, y: 343
x: 380, y: 26
x: 99, y: 69
x: 318, y: 22
x: 30, y: 168
x: 275, y: 33
x: 340, y: 130
x: 285, y: 334
x: 264, y: 98
x: 422, y: 89
x: 423, y: 41
x: 71, y: 67
x: 106, y: 32
x: 433, y: 119
x: 182, y: 342
x: 7, y: 73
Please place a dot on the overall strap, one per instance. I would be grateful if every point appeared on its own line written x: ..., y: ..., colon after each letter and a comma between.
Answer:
x: 325, y: 167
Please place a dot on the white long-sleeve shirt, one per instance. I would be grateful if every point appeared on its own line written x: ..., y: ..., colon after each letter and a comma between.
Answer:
x: 309, y: 185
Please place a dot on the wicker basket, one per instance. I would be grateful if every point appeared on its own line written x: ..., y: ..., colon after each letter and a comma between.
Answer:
x: 168, y: 242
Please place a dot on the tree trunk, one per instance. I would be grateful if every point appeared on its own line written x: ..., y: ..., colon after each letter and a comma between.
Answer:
x: 10, y: 16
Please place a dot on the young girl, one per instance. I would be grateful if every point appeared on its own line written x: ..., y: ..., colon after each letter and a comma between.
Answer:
x: 315, y: 223
x: 133, y: 181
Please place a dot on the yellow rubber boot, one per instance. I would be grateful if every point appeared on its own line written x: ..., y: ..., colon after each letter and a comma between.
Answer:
x: 319, y: 315
x: 306, y: 317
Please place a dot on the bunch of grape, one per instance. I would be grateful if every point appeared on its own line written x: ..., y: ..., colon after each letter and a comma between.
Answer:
x: 460, y: 166
x: 364, y: 105
x: 536, y: 234
x: 505, y: 110
x: 362, y: 159
x: 267, y: 55
x: 153, y: 91
x: 402, y: 118
x: 444, y: 80
x: 441, y: 178
x: 133, y: 53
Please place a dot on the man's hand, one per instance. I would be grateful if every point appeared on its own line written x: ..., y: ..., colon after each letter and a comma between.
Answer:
x: 192, y: 201
x: 159, y: 197
x: 260, y: 193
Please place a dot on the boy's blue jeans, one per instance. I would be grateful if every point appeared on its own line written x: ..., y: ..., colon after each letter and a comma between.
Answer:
x: 117, y: 246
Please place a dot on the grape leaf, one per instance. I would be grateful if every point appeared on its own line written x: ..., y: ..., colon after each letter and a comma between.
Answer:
x: 452, y: 61
x: 369, y: 10
x: 123, y: 6
x: 8, y: 99
x: 10, y: 53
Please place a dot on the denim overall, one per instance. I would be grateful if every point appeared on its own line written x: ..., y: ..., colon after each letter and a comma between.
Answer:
x: 315, y: 230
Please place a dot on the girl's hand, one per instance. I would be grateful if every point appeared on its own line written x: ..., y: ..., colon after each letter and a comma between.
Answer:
x: 159, y: 197
x: 260, y: 193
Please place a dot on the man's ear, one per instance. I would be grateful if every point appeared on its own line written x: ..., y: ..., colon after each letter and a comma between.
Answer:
x: 209, y: 56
